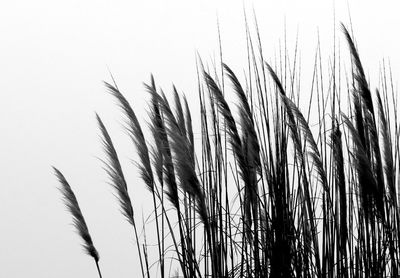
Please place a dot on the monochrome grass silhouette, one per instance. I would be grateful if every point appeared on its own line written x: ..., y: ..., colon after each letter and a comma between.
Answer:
x: 265, y: 193
x: 79, y: 221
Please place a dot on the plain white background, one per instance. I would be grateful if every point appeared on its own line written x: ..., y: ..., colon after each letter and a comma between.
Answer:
x: 53, y: 58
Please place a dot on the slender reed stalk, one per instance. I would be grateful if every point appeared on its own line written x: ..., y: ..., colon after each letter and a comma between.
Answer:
x: 113, y: 168
x: 78, y: 220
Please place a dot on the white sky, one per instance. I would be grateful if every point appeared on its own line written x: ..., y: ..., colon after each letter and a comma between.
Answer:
x: 53, y: 57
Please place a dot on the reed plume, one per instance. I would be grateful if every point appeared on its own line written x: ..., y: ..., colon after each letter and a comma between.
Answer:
x: 114, y: 170
x: 79, y: 222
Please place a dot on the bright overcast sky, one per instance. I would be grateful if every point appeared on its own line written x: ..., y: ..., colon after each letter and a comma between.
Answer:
x: 53, y: 58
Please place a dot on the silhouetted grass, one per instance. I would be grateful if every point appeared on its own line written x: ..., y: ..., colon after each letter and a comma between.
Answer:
x: 264, y: 192
x: 79, y: 221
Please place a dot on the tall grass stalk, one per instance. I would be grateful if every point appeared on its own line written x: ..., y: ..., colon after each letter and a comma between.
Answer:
x: 78, y: 220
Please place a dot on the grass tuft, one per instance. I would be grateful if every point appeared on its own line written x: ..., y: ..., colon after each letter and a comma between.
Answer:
x: 268, y: 187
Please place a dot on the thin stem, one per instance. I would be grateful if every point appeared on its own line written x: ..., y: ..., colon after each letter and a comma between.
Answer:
x: 98, y: 268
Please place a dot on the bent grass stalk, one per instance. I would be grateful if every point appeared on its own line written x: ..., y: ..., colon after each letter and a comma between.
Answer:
x: 78, y: 220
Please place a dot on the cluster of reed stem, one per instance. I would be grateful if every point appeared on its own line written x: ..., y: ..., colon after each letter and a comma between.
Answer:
x: 262, y: 193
